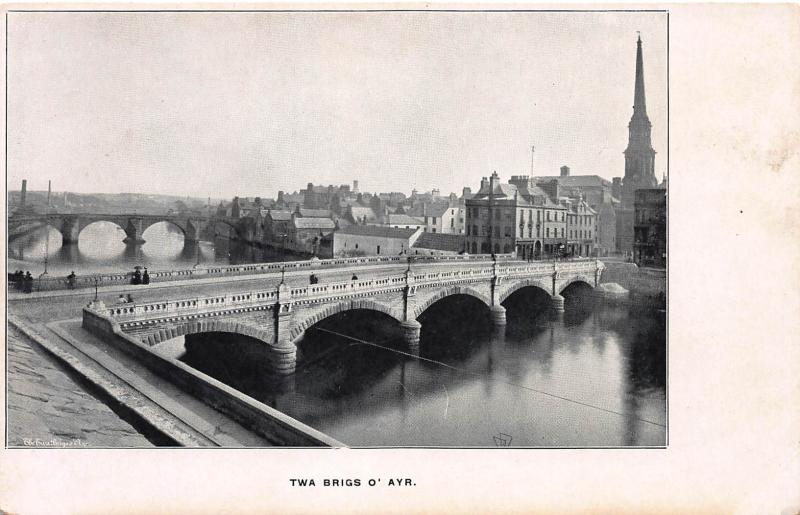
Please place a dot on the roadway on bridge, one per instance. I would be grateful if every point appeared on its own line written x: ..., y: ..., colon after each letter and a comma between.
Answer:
x: 64, y: 304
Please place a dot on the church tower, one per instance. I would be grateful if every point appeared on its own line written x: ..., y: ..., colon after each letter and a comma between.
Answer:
x: 639, y: 156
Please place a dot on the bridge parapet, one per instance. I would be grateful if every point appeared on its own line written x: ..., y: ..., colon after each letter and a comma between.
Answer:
x: 338, y: 290
x: 202, y: 272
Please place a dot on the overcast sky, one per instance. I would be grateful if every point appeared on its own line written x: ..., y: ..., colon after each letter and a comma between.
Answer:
x: 223, y: 104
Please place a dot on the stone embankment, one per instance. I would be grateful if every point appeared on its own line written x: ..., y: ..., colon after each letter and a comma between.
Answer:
x: 639, y: 281
x: 47, y: 408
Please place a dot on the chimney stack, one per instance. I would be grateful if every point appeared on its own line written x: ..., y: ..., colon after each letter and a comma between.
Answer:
x: 24, y: 192
x: 565, y: 171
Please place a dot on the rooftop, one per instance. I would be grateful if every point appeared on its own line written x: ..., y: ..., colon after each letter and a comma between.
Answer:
x: 313, y: 223
x: 280, y: 215
x: 402, y: 219
x: 382, y: 231
x: 314, y: 213
x: 575, y: 180
x: 439, y: 241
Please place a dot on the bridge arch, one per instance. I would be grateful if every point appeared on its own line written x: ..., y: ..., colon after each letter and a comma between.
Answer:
x: 86, y: 223
x: 217, y: 221
x: 448, y: 292
x: 525, y: 283
x: 209, y: 326
x: 149, y: 223
x: 578, y: 279
x: 299, y: 328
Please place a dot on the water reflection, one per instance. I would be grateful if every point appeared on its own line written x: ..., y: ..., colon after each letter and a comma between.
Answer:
x: 101, y: 248
x: 594, y: 378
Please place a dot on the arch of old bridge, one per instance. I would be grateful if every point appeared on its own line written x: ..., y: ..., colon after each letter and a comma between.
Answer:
x: 70, y: 225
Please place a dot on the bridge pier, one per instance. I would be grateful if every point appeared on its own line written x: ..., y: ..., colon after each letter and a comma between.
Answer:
x: 133, y: 232
x: 190, y: 233
x: 557, y: 303
x: 498, y: 315
x: 283, y: 356
x: 70, y: 229
x: 411, y: 330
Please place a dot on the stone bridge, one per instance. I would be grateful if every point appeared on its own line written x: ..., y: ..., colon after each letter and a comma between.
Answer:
x: 70, y: 225
x: 280, y: 316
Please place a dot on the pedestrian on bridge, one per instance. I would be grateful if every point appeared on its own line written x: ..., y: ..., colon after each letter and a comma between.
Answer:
x: 354, y: 278
x: 27, y: 282
x: 71, y: 279
x: 145, y: 277
x: 137, y: 277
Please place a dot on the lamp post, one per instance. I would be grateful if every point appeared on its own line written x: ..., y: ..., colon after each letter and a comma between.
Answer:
x: 46, y: 237
x: 283, y: 246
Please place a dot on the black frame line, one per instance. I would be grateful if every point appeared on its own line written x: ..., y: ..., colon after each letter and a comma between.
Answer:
x: 364, y: 11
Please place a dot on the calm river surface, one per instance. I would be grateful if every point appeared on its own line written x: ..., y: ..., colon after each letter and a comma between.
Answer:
x: 592, y: 378
x: 100, y: 249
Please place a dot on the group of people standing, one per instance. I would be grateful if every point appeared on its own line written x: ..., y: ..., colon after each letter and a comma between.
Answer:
x: 140, y: 278
x: 313, y: 279
x: 22, y: 281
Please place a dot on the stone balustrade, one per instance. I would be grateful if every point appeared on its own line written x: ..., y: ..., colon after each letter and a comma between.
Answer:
x: 201, y: 272
x: 327, y: 291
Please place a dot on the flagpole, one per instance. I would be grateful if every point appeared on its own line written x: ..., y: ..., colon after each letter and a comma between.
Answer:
x: 47, y: 237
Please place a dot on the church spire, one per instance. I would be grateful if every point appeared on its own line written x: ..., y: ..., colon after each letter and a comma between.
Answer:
x: 639, y: 126
x: 639, y: 156
x: 638, y: 94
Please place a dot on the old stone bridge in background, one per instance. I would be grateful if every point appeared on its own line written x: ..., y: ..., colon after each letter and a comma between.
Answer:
x: 70, y: 225
x: 279, y: 317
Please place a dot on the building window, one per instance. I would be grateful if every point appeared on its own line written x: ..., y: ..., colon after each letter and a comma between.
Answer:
x: 433, y: 229
x: 452, y: 223
x: 547, y: 232
x: 548, y: 216
x: 562, y: 232
x: 378, y: 249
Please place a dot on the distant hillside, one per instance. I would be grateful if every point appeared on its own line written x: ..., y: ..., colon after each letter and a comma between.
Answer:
x: 66, y: 202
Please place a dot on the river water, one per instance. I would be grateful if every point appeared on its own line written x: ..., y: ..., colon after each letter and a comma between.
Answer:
x: 592, y: 378
x: 100, y: 248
